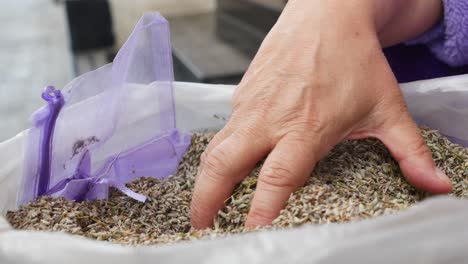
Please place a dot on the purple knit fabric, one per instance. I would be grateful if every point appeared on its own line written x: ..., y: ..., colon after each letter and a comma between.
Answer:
x: 448, y: 40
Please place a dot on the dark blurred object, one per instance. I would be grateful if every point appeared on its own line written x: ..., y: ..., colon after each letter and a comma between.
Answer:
x: 218, y: 47
x: 416, y: 62
x: 245, y: 23
x: 91, y: 34
x: 199, y: 56
x: 90, y: 24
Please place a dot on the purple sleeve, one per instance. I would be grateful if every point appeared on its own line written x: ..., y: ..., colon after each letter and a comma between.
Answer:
x: 448, y: 40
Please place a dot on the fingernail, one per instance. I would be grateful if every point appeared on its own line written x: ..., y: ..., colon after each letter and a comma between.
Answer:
x: 441, y: 175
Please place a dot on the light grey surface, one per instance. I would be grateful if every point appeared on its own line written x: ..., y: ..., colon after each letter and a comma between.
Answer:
x: 33, y: 54
x: 89, y: 61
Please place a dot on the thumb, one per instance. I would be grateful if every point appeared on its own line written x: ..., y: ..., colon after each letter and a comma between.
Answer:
x: 407, y: 146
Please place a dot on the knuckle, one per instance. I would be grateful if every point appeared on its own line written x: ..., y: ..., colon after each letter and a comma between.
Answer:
x: 214, y: 164
x: 298, y: 139
x: 262, y: 102
x: 236, y: 103
x: 293, y: 117
x: 238, y: 96
x: 250, y: 131
x: 278, y: 176
x: 203, y: 158
x: 303, y: 131
x: 300, y: 126
x: 316, y: 126
x: 418, y: 148
x: 261, y: 216
x: 307, y: 124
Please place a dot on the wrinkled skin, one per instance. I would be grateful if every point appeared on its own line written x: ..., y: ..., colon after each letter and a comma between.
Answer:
x: 315, y: 82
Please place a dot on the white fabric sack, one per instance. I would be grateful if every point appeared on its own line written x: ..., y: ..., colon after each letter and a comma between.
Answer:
x: 434, y: 231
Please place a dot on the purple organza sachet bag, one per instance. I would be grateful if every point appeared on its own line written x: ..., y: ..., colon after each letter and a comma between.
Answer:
x: 85, y: 139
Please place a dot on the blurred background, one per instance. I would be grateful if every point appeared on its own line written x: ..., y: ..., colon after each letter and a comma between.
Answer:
x: 49, y: 42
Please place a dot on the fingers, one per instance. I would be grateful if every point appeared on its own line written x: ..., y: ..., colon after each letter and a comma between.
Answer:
x: 223, y: 167
x: 404, y: 141
x: 217, y: 139
x: 286, y: 169
x: 224, y: 133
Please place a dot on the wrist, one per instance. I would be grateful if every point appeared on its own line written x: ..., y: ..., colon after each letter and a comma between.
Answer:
x: 334, y: 16
x: 393, y: 21
x: 401, y: 20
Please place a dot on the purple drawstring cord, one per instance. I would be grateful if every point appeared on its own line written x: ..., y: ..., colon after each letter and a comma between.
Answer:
x: 55, y: 102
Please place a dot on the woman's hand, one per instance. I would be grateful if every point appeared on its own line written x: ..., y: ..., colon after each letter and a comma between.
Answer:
x: 319, y: 78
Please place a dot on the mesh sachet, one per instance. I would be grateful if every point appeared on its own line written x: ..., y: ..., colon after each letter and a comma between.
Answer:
x: 87, y: 139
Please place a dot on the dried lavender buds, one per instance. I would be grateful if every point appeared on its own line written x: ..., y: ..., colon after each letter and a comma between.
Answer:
x: 357, y: 180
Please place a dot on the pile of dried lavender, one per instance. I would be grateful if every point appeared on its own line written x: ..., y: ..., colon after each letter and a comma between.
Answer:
x: 357, y: 180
